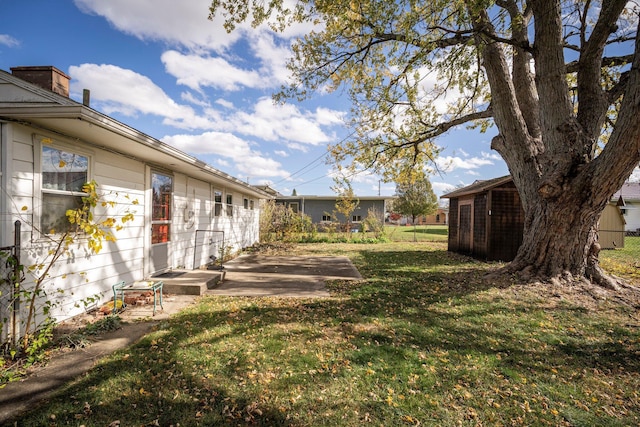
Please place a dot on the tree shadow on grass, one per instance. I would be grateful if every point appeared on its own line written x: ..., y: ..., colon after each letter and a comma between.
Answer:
x: 152, y: 386
x: 220, y: 362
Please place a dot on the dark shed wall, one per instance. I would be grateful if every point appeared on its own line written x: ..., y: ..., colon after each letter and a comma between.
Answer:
x: 497, y: 221
x: 453, y: 225
x: 480, y: 225
x: 506, y: 223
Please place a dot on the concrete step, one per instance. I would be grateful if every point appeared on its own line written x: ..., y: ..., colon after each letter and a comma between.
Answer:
x: 189, y: 282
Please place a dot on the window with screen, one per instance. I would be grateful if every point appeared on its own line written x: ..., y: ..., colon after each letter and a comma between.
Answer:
x: 229, y: 205
x: 217, y: 196
x: 63, y: 175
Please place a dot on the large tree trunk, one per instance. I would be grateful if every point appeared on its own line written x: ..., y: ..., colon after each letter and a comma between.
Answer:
x: 551, y: 150
x: 560, y: 243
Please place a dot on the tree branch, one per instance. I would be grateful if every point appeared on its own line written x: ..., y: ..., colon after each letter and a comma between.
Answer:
x: 592, y: 100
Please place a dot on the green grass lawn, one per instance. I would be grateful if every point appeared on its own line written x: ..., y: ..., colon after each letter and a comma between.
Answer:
x: 624, y: 262
x: 424, y: 339
x: 421, y: 233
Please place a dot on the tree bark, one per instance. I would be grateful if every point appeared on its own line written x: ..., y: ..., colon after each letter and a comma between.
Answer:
x: 563, y: 188
x: 560, y: 242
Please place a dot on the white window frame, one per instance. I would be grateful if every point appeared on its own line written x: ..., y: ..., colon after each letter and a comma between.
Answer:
x: 229, y: 203
x: 42, y: 142
x: 217, y: 205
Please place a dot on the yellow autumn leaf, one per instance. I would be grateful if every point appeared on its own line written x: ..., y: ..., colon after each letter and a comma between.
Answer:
x: 62, y: 164
x: 24, y: 208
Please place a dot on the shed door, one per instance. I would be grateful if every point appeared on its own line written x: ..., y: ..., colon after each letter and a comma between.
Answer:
x: 465, y: 229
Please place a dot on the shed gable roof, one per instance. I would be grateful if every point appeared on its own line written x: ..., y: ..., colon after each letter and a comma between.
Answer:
x: 479, y: 186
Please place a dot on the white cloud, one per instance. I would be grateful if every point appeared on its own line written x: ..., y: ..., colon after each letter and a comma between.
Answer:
x: 441, y: 188
x: 491, y: 155
x: 225, y: 103
x: 192, y: 99
x: 635, y: 175
x: 272, y: 122
x: 273, y: 56
x: 118, y: 90
x: 246, y: 160
x: 129, y: 93
x: 174, y: 22
x: 185, y: 25
x: 450, y: 163
x: 8, y: 41
x: 196, y: 72
x: 326, y: 116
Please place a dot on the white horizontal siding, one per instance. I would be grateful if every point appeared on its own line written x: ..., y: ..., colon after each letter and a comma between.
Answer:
x: 123, y: 180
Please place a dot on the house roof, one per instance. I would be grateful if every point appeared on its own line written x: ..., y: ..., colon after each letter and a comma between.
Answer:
x: 478, y: 186
x: 334, y: 197
x: 28, y: 104
x: 630, y: 191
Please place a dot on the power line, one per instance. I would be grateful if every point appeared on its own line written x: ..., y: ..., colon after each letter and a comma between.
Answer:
x: 308, y: 165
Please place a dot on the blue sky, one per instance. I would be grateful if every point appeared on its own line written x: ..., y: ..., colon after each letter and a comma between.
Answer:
x: 163, y: 68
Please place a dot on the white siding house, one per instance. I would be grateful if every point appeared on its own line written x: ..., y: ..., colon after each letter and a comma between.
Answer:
x: 184, y: 210
x: 630, y: 194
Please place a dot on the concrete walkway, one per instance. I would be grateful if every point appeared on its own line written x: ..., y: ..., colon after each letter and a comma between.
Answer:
x: 247, y: 275
x: 294, y: 276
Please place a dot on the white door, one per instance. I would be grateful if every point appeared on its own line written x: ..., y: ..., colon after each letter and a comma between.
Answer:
x: 161, y: 215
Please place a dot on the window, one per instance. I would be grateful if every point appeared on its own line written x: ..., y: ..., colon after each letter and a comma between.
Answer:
x: 246, y: 203
x: 294, y: 207
x: 229, y: 205
x: 63, y: 175
x: 251, y: 204
x: 162, y: 188
x: 217, y: 196
x: 326, y: 218
x: 356, y: 218
x: 437, y: 217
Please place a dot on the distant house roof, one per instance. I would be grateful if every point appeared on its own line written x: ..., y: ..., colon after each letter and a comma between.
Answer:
x: 334, y: 197
x: 630, y: 191
x: 478, y: 187
x: 268, y: 190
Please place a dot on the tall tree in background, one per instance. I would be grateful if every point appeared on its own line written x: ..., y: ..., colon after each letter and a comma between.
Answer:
x: 415, y: 198
x: 560, y: 80
x: 347, y: 202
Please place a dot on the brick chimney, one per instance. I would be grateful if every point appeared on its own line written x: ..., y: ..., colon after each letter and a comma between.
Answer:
x: 47, y: 77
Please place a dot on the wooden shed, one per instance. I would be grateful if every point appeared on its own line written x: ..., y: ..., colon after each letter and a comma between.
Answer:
x: 612, y: 224
x: 486, y: 219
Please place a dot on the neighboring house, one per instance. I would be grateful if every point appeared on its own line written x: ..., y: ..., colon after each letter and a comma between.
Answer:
x: 51, y: 145
x: 630, y: 205
x: 486, y: 220
x: 322, y: 209
x: 440, y: 217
